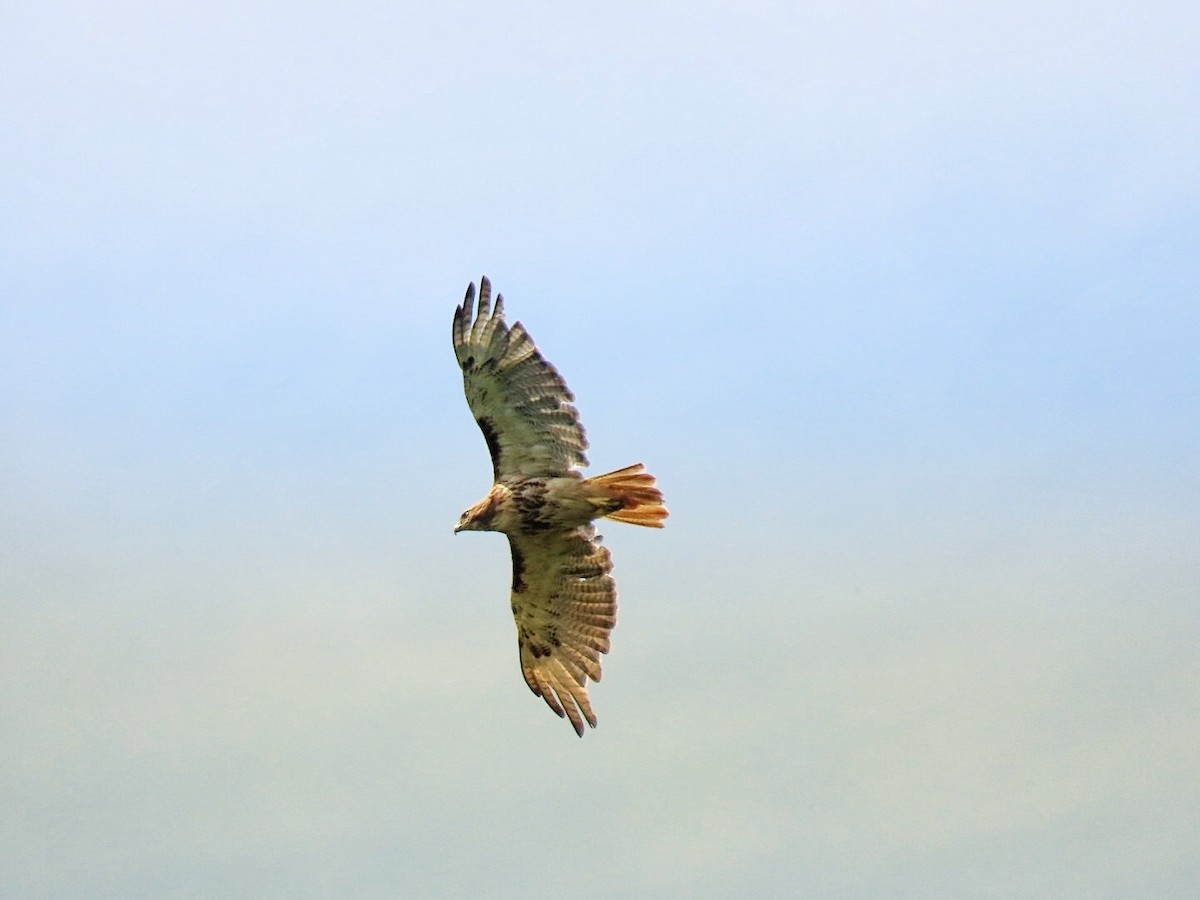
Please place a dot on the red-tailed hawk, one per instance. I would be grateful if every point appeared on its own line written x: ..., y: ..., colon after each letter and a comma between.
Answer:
x: 563, y: 598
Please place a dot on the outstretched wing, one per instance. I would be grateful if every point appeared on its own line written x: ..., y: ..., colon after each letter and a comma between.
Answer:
x: 565, y: 604
x: 520, y: 401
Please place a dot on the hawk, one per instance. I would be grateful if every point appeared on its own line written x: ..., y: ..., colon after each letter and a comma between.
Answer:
x: 564, y: 600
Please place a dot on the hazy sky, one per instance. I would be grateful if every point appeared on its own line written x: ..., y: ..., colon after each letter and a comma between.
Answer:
x: 900, y: 301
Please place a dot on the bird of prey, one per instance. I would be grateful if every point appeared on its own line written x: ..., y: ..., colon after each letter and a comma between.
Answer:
x: 564, y: 600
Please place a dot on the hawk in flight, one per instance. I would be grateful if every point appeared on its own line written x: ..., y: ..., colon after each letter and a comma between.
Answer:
x: 563, y: 598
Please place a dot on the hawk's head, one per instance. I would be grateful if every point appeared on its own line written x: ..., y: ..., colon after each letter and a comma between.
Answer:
x: 481, y: 516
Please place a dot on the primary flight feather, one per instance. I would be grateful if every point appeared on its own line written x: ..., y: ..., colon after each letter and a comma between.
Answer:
x: 564, y: 600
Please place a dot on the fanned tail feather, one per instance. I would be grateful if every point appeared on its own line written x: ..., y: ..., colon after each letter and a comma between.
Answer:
x: 632, y: 493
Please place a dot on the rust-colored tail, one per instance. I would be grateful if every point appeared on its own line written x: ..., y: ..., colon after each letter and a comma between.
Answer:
x: 641, y: 503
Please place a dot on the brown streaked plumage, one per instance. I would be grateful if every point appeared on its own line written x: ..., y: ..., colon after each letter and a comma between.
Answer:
x: 564, y: 600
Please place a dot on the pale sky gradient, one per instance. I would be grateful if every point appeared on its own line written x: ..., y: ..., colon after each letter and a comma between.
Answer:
x: 900, y: 301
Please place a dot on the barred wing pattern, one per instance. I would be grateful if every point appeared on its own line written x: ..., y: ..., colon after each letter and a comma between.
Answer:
x: 564, y: 602
x: 521, y: 403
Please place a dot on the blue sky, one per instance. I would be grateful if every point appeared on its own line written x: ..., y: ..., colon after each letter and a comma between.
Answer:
x: 899, y: 301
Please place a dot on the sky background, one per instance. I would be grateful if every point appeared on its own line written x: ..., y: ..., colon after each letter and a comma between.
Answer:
x: 900, y: 302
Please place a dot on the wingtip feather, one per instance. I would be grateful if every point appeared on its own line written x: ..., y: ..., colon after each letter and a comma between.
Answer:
x: 564, y: 698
